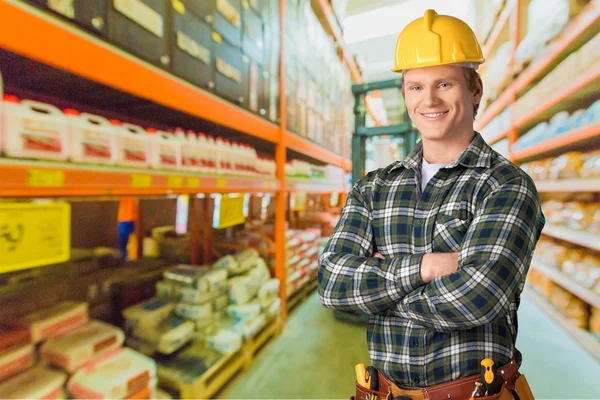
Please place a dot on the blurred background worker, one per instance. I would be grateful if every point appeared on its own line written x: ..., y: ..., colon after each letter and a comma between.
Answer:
x: 436, y: 247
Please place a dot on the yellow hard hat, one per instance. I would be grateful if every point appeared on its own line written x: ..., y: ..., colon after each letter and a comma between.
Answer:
x: 436, y: 40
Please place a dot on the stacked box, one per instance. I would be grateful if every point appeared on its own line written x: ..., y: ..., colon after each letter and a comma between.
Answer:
x: 302, y: 256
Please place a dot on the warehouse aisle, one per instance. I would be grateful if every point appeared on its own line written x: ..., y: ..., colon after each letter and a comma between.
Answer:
x: 304, y: 361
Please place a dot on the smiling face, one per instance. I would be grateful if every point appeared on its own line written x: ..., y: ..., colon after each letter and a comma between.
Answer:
x: 440, y: 101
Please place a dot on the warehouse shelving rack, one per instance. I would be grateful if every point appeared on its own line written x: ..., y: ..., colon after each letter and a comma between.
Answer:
x: 577, y: 32
x: 34, y: 35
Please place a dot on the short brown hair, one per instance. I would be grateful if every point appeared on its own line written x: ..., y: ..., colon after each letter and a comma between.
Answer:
x: 472, y: 78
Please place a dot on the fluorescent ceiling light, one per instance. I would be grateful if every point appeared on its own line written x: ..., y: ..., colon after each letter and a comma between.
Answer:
x: 392, y: 19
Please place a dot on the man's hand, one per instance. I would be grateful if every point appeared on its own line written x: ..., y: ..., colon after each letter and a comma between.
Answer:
x: 379, y: 255
x: 434, y: 265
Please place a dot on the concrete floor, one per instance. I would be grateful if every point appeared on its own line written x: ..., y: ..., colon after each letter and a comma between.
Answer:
x: 316, y: 354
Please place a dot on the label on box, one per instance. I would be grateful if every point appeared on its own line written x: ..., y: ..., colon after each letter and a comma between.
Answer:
x: 143, y: 15
x: 228, y: 70
x: 193, y: 48
x: 229, y: 11
x: 168, y: 155
x: 41, y: 135
x: 43, y: 227
x: 134, y: 150
x: 96, y: 144
x: 63, y: 7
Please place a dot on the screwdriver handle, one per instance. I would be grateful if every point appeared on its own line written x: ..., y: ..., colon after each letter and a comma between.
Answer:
x: 361, y: 374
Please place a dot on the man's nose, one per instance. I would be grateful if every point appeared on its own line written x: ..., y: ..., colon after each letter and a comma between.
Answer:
x: 430, y: 97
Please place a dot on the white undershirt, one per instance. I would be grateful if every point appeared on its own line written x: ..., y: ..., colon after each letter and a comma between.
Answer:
x: 428, y: 171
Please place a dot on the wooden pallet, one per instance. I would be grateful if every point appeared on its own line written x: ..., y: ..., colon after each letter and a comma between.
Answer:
x: 221, y: 373
x: 207, y: 385
x: 251, y: 348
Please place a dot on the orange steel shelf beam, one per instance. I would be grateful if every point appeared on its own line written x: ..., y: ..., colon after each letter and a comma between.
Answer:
x: 52, y: 42
x: 586, y: 20
x: 305, y: 146
x: 280, y: 159
x: 569, y: 138
x: 500, y: 104
x: 63, y: 180
x: 498, y: 27
x: 498, y: 138
x: 572, y: 88
x: 314, y: 187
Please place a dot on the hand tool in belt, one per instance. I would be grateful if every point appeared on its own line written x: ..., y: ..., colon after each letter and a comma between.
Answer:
x: 488, y: 377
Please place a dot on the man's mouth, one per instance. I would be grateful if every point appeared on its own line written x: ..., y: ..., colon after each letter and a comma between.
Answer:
x: 434, y: 115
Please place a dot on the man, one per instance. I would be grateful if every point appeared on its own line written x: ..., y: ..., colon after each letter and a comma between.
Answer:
x: 436, y: 248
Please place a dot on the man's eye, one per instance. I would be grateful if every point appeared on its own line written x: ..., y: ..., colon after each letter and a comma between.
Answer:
x: 415, y: 88
x: 444, y: 85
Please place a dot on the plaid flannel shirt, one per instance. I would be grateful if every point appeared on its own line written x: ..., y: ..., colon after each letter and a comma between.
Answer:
x: 483, y: 207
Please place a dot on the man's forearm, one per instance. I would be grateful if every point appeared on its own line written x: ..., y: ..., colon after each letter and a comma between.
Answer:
x: 435, y: 265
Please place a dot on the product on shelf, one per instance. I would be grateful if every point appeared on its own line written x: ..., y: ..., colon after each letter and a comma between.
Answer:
x: 250, y: 326
x: 268, y: 292
x: 140, y: 29
x: 586, y: 271
x: 194, y: 311
x: 92, y: 138
x: 274, y: 309
x: 16, y: 360
x: 167, y: 290
x: 35, y: 383
x: 72, y: 350
x: 246, y: 259
x: 33, y: 129
x: 242, y: 289
x: 545, y: 21
x: 170, y: 335
x: 576, y: 215
x: 595, y: 322
x: 55, y: 320
x: 572, y: 165
x: 190, y: 276
x: 244, y: 311
x: 225, y: 341
x: 147, y: 315
x: 134, y: 145
x: 566, y: 166
x: 118, y: 375
x: 165, y: 150
x: 13, y: 337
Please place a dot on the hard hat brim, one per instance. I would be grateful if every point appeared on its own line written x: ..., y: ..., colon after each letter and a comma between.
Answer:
x: 437, y: 63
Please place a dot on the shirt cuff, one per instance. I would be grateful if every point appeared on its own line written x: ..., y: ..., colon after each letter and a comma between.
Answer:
x: 409, y: 273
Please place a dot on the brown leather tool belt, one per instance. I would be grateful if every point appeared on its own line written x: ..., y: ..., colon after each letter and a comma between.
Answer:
x: 460, y: 389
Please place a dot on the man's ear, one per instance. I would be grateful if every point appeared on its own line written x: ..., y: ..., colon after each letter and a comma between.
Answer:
x: 478, y: 93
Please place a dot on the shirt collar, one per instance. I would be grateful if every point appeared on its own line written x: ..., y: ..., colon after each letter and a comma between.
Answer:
x: 478, y: 154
